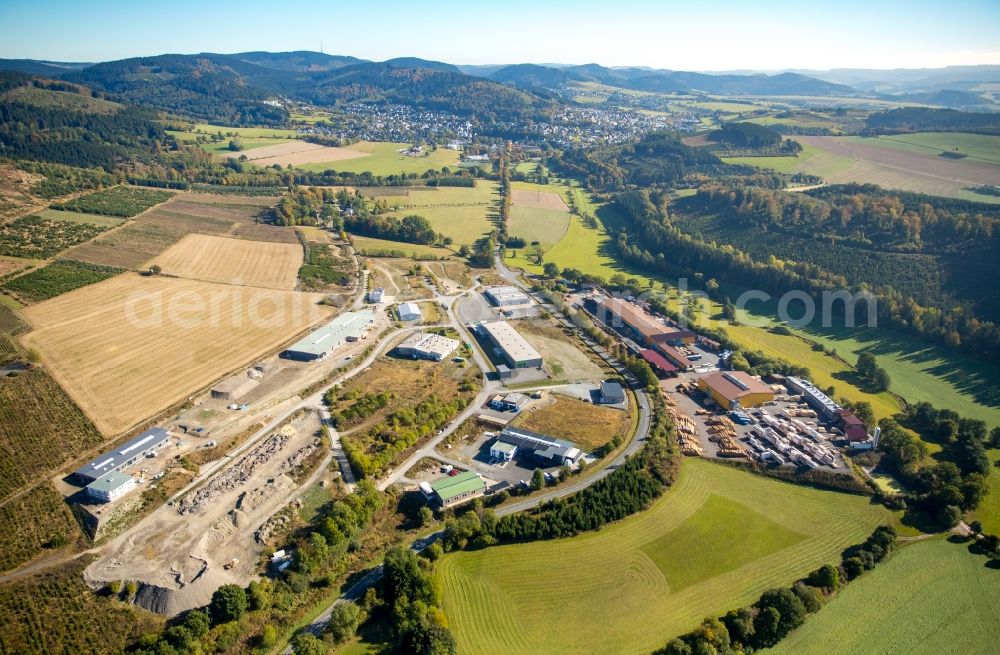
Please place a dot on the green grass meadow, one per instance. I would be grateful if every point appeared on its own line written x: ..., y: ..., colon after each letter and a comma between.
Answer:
x: 546, y: 226
x: 409, y: 249
x: 459, y: 212
x: 247, y: 132
x: 810, y: 160
x: 929, y: 598
x: 714, y: 542
x: 988, y: 511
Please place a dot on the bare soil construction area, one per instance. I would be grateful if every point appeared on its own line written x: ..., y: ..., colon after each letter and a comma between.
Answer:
x: 215, y: 534
x: 298, y: 152
x: 563, y: 360
x: 901, y: 169
x: 538, y: 200
x: 132, y: 346
x: 233, y: 261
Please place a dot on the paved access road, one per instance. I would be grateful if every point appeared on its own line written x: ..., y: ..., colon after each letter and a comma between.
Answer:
x: 358, y: 588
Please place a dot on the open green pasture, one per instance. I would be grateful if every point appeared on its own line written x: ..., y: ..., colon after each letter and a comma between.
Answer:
x: 714, y: 542
x: 462, y: 213
x: 929, y: 598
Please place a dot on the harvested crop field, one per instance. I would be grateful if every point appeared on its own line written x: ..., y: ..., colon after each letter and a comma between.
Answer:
x: 297, y: 152
x: 132, y: 346
x: 903, y: 169
x: 127, y: 247
x: 140, y: 240
x: 538, y: 200
x: 714, y: 542
x: 233, y: 261
x: 206, y: 212
x: 265, y: 232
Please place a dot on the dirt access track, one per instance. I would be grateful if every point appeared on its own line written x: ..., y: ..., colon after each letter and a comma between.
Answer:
x: 901, y: 169
x: 179, y: 554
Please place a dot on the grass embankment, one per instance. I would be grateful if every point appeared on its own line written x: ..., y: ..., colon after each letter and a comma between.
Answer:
x: 930, y: 597
x: 699, y: 551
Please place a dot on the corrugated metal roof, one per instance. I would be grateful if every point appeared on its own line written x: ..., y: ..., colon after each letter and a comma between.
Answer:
x: 456, y: 485
x: 109, y: 461
x: 658, y: 360
x: 505, y: 336
x: 330, y: 335
x: 110, y: 482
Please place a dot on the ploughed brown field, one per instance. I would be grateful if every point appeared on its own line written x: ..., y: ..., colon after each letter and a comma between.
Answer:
x: 538, y: 200
x: 298, y: 152
x: 901, y: 169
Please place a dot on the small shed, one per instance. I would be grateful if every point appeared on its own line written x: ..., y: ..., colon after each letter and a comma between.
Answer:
x: 612, y: 393
x: 409, y: 311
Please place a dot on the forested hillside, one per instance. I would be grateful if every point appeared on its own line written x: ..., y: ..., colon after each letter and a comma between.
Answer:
x: 923, y: 119
x: 657, y: 159
x: 65, y: 124
x: 659, y: 240
x: 211, y: 88
x: 232, y: 89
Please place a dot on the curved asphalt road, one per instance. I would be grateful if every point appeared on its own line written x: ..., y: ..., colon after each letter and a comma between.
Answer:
x: 358, y: 588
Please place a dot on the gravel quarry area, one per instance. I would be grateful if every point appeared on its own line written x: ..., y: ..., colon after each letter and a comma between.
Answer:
x: 182, y: 553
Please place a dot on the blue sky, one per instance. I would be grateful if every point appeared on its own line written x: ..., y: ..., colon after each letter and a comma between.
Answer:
x: 687, y: 35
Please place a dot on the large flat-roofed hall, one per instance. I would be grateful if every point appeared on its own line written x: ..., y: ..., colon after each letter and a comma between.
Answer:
x: 317, y: 344
x: 506, y: 296
x: 510, y: 345
x: 121, y: 458
x: 734, y: 389
x: 423, y: 345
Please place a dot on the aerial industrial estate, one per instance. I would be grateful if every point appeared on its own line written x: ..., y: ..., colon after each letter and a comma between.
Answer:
x: 311, y: 354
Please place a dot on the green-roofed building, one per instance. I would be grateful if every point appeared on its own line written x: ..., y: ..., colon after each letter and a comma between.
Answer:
x: 457, y: 489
